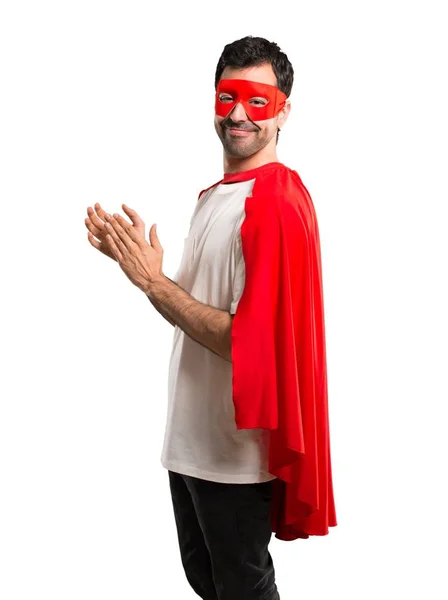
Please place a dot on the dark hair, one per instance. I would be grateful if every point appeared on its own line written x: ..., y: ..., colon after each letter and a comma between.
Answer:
x: 254, y: 51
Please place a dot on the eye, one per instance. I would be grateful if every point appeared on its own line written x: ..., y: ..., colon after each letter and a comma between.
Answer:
x: 258, y: 101
x: 225, y: 98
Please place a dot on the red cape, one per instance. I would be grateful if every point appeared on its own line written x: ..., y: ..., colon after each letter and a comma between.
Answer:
x: 278, y: 348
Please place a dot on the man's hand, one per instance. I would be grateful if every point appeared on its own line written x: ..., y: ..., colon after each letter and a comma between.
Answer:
x: 140, y: 261
x: 95, y: 224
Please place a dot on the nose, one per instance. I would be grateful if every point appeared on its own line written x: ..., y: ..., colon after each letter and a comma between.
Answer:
x: 238, y: 113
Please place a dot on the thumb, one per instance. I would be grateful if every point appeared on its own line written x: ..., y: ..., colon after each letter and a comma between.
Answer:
x: 136, y: 220
x: 154, y: 238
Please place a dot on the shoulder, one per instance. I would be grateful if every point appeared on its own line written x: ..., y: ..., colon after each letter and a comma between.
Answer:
x: 281, y: 195
x: 208, y: 189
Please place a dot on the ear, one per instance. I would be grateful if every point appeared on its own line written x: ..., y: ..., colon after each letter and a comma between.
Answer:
x: 283, y: 114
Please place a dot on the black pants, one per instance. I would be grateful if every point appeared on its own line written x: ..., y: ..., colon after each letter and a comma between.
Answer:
x: 224, y: 530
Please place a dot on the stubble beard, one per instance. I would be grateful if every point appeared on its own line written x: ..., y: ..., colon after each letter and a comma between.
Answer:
x: 241, y: 147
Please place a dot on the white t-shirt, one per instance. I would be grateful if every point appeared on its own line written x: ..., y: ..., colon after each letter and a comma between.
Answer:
x: 201, y: 438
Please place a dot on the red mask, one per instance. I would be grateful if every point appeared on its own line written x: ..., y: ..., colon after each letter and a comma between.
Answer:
x: 242, y: 90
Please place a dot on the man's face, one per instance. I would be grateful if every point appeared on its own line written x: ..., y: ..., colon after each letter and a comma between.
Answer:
x: 240, y: 135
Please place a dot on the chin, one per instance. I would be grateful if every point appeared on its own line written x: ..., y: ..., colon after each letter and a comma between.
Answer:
x: 240, y: 153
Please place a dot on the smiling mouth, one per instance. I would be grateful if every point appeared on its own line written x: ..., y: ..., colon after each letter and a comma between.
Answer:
x: 234, y: 131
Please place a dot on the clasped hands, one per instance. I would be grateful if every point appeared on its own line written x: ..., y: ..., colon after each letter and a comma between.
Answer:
x: 115, y: 237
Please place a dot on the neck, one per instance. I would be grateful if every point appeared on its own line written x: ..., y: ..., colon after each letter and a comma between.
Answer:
x: 233, y: 164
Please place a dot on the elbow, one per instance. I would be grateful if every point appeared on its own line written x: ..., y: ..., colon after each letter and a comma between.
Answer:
x: 227, y: 355
x: 228, y: 341
x: 223, y: 338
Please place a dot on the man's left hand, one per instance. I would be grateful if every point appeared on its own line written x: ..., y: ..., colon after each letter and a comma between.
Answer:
x: 140, y: 261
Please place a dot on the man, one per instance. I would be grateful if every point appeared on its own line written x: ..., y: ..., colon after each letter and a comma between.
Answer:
x: 247, y: 437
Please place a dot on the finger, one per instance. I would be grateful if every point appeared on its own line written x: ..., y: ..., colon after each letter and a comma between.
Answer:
x: 102, y: 214
x: 154, y: 239
x: 99, y: 224
x: 107, y: 217
x: 123, y: 227
x: 120, y: 237
x: 95, y: 243
x: 98, y: 208
x: 135, y: 218
x: 113, y: 246
x: 91, y: 227
x: 100, y: 211
x: 124, y: 220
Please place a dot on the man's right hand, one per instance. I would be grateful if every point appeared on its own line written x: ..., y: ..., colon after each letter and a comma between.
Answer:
x: 95, y: 224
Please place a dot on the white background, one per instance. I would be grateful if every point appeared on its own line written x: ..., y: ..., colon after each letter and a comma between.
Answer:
x: 114, y: 102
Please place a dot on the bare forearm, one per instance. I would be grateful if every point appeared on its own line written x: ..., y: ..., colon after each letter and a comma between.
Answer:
x: 207, y: 325
x: 159, y: 308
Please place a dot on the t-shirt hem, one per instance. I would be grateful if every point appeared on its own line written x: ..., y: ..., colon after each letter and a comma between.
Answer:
x: 177, y: 467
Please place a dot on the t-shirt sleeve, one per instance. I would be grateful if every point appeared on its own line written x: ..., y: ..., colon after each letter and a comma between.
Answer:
x: 239, y: 276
